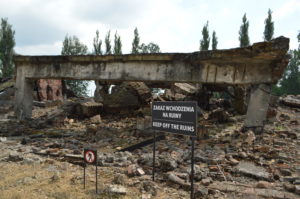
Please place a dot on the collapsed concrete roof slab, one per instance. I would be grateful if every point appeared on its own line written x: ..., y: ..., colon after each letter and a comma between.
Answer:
x: 262, y: 62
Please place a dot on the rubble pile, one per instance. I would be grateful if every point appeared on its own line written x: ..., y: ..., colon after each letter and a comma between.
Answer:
x: 230, y: 162
x: 127, y: 95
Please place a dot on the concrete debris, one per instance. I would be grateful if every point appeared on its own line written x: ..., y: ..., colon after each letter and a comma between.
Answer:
x: 289, y: 187
x: 119, y: 179
x: 150, y: 187
x: 6, y: 84
x: 121, y: 97
x: 142, y: 90
x: 175, y: 179
x: 144, y: 123
x: 233, y: 161
x: 3, y: 139
x: 249, y: 137
x: 88, y: 109
x: 134, y: 170
x: 180, y: 92
x: 146, y: 196
x: 201, y: 191
x: 249, y: 191
x: 96, y: 119
x: 14, y: 157
x: 47, y: 103
x: 206, y: 181
x: 264, y: 185
x: 297, y: 189
x: 218, y: 115
x: 251, y: 170
x: 184, y: 88
x: 291, y: 101
x: 7, y: 94
x: 117, y: 189
x: 225, y: 155
x: 126, y: 95
x: 168, y: 164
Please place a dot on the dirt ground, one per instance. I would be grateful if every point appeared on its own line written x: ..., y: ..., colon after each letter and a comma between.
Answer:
x: 44, y: 177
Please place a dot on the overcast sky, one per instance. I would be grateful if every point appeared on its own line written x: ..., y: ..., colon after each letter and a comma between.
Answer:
x: 175, y: 25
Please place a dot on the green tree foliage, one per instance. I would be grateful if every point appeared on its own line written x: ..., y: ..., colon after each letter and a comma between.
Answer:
x: 244, y: 37
x: 269, y: 27
x: 290, y: 82
x: 214, y: 41
x: 150, y: 48
x: 107, y: 44
x: 153, y: 48
x: 7, y: 43
x: 117, y: 45
x: 135, y: 42
x: 143, y: 48
x: 72, y: 46
x: 97, y: 44
x: 204, y: 43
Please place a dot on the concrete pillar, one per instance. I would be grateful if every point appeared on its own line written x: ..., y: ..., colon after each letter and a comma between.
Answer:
x: 258, y: 106
x: 23, y: 96
x: 101, y: 91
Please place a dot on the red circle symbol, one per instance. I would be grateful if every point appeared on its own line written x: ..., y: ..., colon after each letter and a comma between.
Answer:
x: 89, y: 156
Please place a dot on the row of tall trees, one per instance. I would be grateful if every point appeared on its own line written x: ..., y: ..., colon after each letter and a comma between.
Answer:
x: 244, y: 30
x: 138, y: 48
x: 243, y: 33
x: 97, y: 44
x: 268, y: 31
x: 72, y: 46
x: 204, y: 42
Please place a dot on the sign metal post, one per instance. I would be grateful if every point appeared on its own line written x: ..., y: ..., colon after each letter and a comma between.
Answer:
x: 84, y: 165
x: 84, y: 176
x: 192, y: 167
x: 154, y: 148
x: 176, y: 117
x: 96, y: 179
x: 90, y: 157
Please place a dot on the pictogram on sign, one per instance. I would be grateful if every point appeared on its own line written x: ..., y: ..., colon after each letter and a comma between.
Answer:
x: 90, y: 156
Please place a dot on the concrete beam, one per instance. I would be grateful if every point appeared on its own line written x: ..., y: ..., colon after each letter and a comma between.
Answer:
x: 261, y: 63
x: 256, y: 64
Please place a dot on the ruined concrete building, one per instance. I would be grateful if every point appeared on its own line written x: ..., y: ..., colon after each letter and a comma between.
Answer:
x: 259, y: 66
